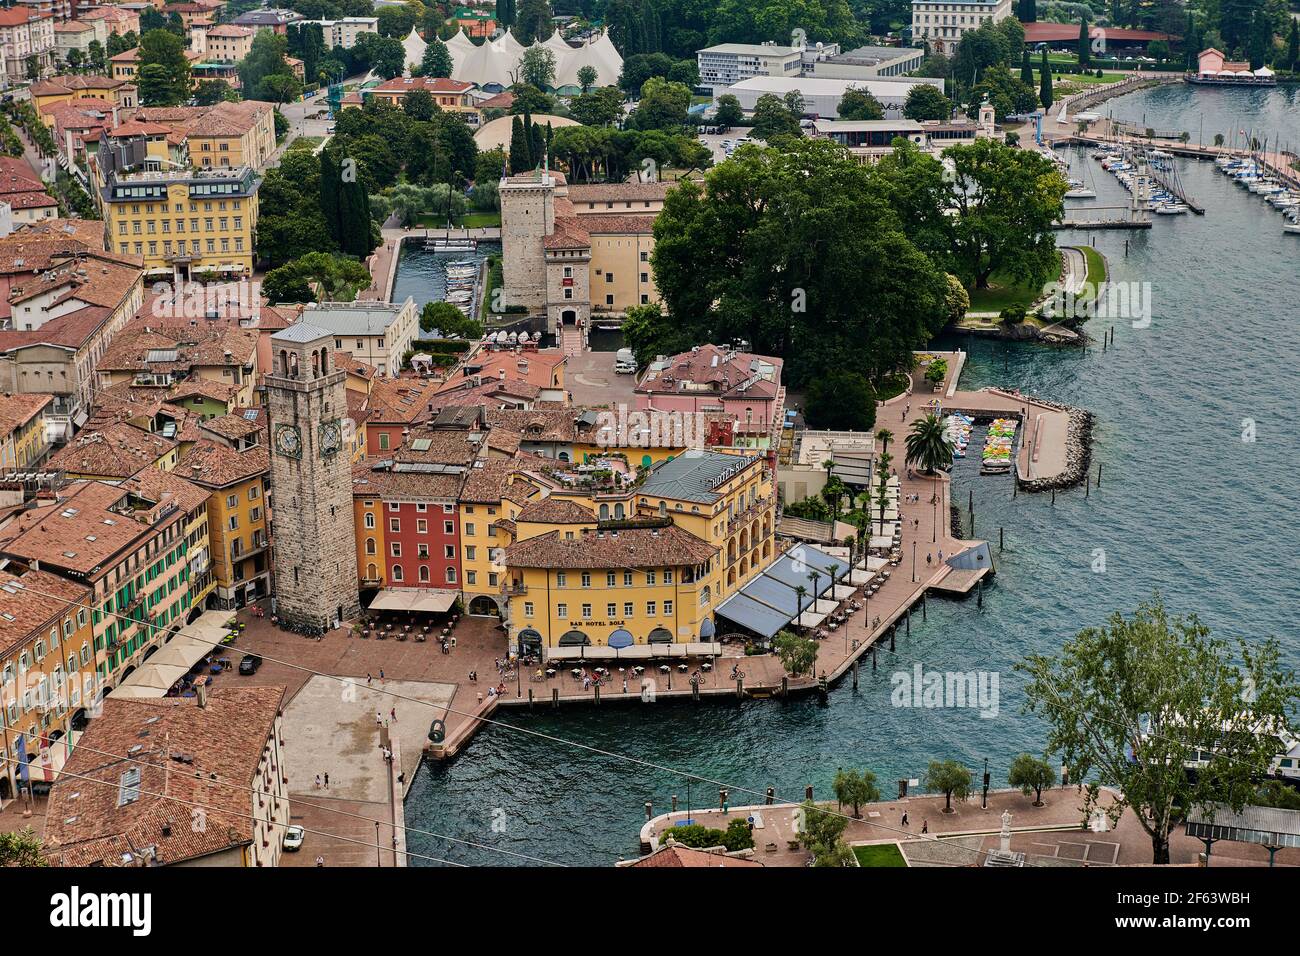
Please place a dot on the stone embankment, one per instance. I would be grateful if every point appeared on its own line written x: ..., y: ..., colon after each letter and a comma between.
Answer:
x: 1078, y: 451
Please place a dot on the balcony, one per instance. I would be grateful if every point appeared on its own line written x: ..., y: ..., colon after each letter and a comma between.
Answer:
x: 512, y: 588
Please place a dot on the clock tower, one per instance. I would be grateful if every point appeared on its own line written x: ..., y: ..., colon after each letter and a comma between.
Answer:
x: 311, y: 480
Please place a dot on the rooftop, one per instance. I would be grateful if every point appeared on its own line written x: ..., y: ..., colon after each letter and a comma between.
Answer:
x: 633, y: 547
x: 694, y: 475
x: 166, y: 754
x: 354, y: 318
x: 24, y: 611
x: 115, y: 451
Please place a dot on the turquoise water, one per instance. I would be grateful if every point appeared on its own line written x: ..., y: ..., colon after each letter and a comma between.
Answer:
x: 1185, y: 507
x: 423, y: 275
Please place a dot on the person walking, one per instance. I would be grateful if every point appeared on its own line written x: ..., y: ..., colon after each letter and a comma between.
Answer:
x: 379, y: 719
x: 393, y: 714
x: 904, y: 818
x: 327, y: 780
x: 925, y: 825
x: 317, y: 781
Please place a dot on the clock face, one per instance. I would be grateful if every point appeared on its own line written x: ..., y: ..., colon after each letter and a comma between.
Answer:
x: 331, y: 437
x: 288, y: 441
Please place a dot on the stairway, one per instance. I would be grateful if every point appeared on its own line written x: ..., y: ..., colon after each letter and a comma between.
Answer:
x: 571, y: 340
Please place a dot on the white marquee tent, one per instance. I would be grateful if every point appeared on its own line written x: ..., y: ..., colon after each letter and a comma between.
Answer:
x: 497, y: 61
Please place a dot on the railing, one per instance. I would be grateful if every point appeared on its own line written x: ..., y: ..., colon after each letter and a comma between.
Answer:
x: 514, y: 588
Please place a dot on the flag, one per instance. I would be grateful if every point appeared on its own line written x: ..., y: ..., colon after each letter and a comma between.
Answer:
x: 22, y: 758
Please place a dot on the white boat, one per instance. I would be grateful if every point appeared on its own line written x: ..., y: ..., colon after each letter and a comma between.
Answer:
x: 1170, y: 209
x: 1293, y: 227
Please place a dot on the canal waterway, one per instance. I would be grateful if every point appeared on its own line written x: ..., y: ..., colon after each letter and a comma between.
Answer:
x: 1186, y: 507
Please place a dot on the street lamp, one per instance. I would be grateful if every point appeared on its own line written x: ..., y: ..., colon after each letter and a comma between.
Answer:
x: 913, y: 560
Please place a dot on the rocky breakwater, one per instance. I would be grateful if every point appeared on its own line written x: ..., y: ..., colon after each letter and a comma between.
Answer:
x: 1078, y: 451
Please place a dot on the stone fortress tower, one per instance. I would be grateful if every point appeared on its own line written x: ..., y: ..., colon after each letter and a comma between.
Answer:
x: 311, y: 480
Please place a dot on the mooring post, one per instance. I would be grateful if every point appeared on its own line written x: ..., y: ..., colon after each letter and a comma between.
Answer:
x: 740, y: 687
x: 596, y: 687
x: 555, y: 697
x: 1099, y: 476
x: 1002, y: 539
x: 785, y: 686
x: 873, y: 660
x: 855, y: 675
x: 1053, y: 497
x: 530, y: 698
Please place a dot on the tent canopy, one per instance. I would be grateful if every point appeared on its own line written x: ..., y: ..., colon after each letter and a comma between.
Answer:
x: 176, y: 658
x: 767, y: 603
x: 426, y: 600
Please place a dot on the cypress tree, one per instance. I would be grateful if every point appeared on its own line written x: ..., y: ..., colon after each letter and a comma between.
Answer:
x: 536, y: 144
x: 1029, y: 11
x: 1045, y: 83
x: 1293, y: 47
x: 518, y: 147
x: 329, y: 192
x: 1085, y: 50
x: 1026, y: 71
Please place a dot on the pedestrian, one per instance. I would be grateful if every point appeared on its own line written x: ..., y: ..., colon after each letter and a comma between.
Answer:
x: 625, y: 685
x: 929, y: 559
x: 925, y: 825
x: 904, y: 818
x: 941, y: 556
x: 317, y: 781
x: 369, y: 679
x: 327, y: 780
x: 320, y: 861
x: 379, y: 719
x: 381, y: 675
x: 393, y: 714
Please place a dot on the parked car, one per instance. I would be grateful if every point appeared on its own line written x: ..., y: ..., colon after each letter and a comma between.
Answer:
x: 250, y: 664
x: 293, y: 838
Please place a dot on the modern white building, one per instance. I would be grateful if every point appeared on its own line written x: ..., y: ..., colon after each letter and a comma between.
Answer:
x: 867, y: 62
x: 869, y: 140
x: 942, y: 24
x: 344, y: 32
x: 821, y: 96
x: 729, y: 63
x: 377, y: 333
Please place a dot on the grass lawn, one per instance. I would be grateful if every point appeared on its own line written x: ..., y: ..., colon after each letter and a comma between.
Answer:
x: 889, y: 387
x: 879, y: 854
x: 1096, y: 273
x: 471, y: 220
x: 306, y: 142
x: 1006, y: 293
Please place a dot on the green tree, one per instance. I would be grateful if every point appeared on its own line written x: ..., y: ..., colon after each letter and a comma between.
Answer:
x: 395, y: 21
x: 822, y: 833
x: 164, y: 70
x: 1133, y: 703
x: 949, y: 778
x: 840, y: 400
x: 859, y: 104
x: 317, y: 276
x: 1031, y: 773
x: 520, y: 154
x: 1293, y: 46
x: 587, y: 77
x: 537, y: 67
x: 798, y: 655
x: 436, y: 60
x: 728, y: 112
x: 533, y: 21
x: 266, y: 59
x: 1085, y: 45
x: 926, y: 102
x: 419, y: 104
x: 1026, y: 69
x: 211, y: 92
x: 598, y: 107
x: 449, y: 320
x: 21, y: 848
x: 927, y: 446
x: 1007, y: 201
x: 855, y: 789
x: 772, y: 118
x: 663, y: 105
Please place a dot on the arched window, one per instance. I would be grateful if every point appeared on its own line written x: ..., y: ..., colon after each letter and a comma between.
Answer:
x: 424, y: 573
x: 604, y: 512
x: 397, y: 572
x: 371, y: 572
x: 706, y: 595
x: 370, y: 546
x: 284, y: 361
x: 618, y: 510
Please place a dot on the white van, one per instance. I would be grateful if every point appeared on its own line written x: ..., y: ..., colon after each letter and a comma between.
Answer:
x: 625, y: 362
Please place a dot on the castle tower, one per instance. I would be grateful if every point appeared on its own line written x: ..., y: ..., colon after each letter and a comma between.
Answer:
x: 527, y: 218
x: 311, y: 479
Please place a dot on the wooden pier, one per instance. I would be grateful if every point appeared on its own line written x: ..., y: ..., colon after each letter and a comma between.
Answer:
x: 1103, y: 224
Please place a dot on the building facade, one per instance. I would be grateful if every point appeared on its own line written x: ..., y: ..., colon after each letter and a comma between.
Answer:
x: 315, y: 579
x: 942, y: 25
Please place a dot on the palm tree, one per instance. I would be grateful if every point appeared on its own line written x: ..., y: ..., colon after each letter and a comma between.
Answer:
x: 816, y: 578
x: 884, y: 436
x: 927, y: 445
x: 882, y: 472
x: 800, y: 592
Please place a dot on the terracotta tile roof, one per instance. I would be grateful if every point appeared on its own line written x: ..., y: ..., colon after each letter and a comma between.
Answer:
x: 88, y: 231
x: 229, y: 119
x: 91, y: 278
x: 229, y: 30
x: 434, y: 84
x: 569, y: 234
x: 633, y: 547
x: 618, y: 192
x: 21, y: 16
x: 429, y: 446
x: 213, y: 465
x: 58, y: 85
x: 130, y: 348
x: 161, y: 488
x: 221, y: 744
x: 22, y: 613
x: 721, y: 370
x: 31, y: 199
x: 90, y: 522
x: 17, y: 409
x: 542, y: 424
x: 136, y: 127
x: 676, y: 856
x: 400, y: 400
x: 487, y: 480
x: 536, y: 367
x: 71, y: 331
x: 556, y: 511
x: 371, y: 480
x: 29, y: 251
x: 602, y: 224
x: 116, y: 451
x: 234, y: 425
x: 502, y: 101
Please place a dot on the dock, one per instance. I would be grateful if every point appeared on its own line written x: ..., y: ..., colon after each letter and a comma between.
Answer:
x: 1102, y: 224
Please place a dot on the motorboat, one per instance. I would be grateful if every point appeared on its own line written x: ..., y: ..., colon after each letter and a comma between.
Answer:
x: 1170, y: 209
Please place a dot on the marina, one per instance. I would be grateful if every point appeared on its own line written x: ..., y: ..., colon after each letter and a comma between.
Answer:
x: 1142, y: 530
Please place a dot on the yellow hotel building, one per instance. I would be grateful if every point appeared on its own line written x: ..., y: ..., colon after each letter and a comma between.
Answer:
x: 182, y: 222
x: 703, y: 525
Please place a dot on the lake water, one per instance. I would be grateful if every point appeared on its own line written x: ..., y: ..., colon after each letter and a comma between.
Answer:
x: 1186, y: 507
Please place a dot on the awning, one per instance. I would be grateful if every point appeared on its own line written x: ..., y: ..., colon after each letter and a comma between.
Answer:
x: 881, y: 543
x: 530, y: 637
x: 660, y: 635
x: 770, y: 600
x: 707, y: 630
x: 177, y: 658
x: 842, y: 591
x: 426, y: 600
x: 621, y: 638
x: 811, y: 619
x: 860, y: 577
x: 643, y: 652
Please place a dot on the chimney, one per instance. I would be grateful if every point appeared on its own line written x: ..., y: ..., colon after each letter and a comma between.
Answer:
x: 201, y: 692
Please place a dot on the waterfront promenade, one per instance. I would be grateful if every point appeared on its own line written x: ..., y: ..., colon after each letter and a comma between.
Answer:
x: 1050, y: 835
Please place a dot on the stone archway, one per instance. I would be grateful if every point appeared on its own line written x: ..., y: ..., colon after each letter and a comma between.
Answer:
x: 482, y: 605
